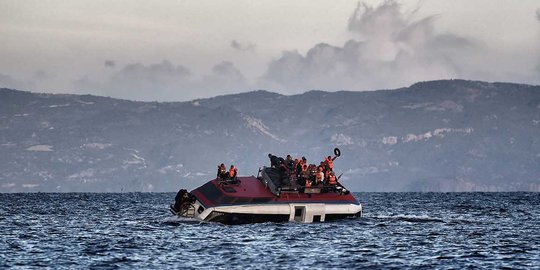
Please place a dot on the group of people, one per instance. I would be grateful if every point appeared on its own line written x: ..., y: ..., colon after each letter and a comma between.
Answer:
x: 224, y: 174
x: 304, y: 174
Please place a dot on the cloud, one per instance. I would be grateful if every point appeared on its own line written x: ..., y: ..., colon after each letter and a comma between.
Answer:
x: 141, y: 82
x: 166, y: 81
x: 242, y: 47
x: 390, y: 48
x: 224, y: 78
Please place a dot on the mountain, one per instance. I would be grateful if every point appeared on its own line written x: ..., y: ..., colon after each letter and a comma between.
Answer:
x: 449, y: 135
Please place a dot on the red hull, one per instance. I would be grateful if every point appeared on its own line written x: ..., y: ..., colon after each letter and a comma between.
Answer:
x: 251, y: 190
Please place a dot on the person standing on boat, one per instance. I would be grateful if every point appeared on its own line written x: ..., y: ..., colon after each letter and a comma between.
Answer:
x: 274, y: 161
x: 319, y: 176
x: 329, y: 163
x: 299, y: 165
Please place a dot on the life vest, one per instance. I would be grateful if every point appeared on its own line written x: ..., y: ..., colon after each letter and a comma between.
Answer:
x: 330, y: 163
x: 232, y: 172
x: 332, y: 179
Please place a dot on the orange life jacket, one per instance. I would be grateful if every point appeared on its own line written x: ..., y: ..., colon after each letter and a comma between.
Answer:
x: 232, y: 172
x: 330, y: 163
x: 332, y: 179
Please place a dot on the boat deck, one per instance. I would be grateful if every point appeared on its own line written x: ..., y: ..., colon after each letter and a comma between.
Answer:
x: 252, y: 190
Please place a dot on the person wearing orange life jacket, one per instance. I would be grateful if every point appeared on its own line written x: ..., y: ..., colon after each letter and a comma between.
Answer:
x: 332, y: 179
x: 329, y: 163
x: 233, y: 172
x: 308, y: 183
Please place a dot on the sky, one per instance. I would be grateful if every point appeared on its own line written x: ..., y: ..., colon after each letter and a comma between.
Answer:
x: 183, y: 50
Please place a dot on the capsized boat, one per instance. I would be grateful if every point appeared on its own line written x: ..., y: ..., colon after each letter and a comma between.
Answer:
x: 265, y: 198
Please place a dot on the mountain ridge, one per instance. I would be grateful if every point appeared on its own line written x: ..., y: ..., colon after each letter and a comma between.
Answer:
x: 445, y: 135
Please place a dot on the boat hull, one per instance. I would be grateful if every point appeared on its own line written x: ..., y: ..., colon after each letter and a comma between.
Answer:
x: 250, y: 200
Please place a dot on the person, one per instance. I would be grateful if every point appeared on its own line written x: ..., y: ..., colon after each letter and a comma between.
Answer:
x: 299, y: 165
x: 308, y: 183
x: 284, y: 173
x: 332, y: 179
x: 304, y: 175
x: 289, y: 162
x: 274, y: 161
x: 329, y: 163
x: 222, y: 171
x: 180, y: 200
x: 233, y: 172
x: 319, y: 176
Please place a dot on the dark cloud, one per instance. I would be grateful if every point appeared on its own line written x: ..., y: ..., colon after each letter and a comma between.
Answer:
x: 109, y: 64
x: 242, y: 47
x: 390, y: 48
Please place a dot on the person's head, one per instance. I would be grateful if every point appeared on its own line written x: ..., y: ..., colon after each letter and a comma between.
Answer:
x: 304, y: 167
x: 304, y: 159
x: 320, y: 169
x: 232, y: 166
x: 289, y: 157
x: 328, y: 157
x: 269, y: 155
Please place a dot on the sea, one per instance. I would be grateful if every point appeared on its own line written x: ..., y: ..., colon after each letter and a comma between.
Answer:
x: 396, y: 231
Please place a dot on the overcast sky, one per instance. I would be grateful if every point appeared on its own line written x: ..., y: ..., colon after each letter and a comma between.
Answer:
x: 182, y: 50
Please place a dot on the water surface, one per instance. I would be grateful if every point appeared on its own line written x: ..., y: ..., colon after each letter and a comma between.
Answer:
x: 398, y: 230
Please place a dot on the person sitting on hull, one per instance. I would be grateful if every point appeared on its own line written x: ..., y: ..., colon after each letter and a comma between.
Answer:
x: 222, y: 172
x: 233, y: 172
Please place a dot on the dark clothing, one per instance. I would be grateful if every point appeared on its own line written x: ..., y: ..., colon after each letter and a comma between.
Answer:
x: 181, y: 199
x: 223, y: 174
x: 274, y: 161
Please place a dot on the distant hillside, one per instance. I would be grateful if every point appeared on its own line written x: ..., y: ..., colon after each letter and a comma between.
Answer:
x: 433, y: 136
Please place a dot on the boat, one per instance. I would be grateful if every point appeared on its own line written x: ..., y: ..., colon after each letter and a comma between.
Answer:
x: 265, y: 198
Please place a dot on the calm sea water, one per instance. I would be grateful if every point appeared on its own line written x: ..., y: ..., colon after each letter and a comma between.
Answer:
x: 398, y: 230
